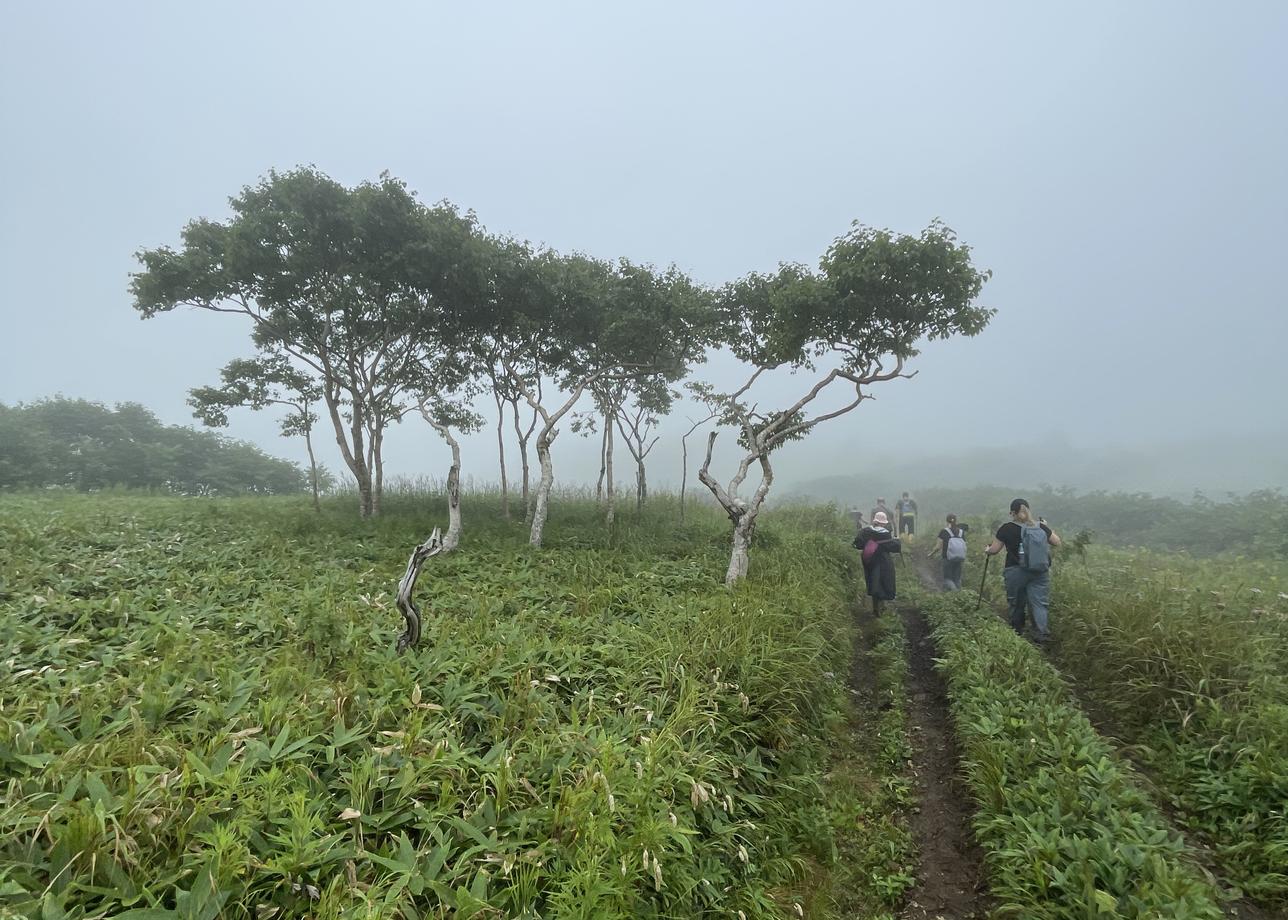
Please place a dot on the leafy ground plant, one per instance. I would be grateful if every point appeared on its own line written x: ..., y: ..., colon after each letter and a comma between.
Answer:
x: 1190, y: 667
x: 1066, y: 831
x: 202, y: 714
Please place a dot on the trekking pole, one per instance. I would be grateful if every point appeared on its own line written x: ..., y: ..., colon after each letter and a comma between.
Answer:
x: 987, y: 560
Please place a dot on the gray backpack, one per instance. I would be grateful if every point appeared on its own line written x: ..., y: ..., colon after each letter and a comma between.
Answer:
x: 956, y: 546
x: 1035, y: 552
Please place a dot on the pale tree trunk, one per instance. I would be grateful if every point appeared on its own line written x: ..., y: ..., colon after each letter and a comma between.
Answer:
x: 742, y: 514
x: 542, y: 506
x: 523, y: 458
x: 599, y: 483
x: 500, y: 448
x: 313, y: 469
x: 452, y: 538
x: 377, y: 443
x: 610, y: 493
x: 744, y: 529
x: 684, y: 473
x: 545, y: 437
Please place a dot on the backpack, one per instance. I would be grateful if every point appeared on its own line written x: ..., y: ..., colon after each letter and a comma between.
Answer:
x: 1035, y: 553
x: 956, y: 548
x: 869, y: 550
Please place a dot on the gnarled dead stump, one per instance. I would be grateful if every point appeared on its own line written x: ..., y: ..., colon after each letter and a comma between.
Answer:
x: 411, y: 613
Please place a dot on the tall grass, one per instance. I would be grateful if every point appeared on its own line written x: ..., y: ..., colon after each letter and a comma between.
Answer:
x: 202, y: 714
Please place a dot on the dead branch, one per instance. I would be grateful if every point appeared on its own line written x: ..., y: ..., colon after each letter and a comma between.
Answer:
x: 411, y: 613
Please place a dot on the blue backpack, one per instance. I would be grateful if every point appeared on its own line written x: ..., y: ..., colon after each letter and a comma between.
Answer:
x: 1035, y: 552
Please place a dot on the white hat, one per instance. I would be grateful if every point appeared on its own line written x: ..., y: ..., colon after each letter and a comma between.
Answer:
x: 880, y: 518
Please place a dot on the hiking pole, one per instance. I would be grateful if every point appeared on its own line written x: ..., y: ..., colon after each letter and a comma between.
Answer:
x: 987, y: 560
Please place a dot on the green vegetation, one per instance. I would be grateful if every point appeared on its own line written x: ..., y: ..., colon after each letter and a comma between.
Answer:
x: 1067, y: 832
x: 868, y: 788
x: 1253, y: 525
x: 201, y: 714
x: 1189, y: 662
x: 81, y: 445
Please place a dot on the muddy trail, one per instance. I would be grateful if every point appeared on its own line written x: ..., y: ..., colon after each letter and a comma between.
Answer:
x: 951, y: 882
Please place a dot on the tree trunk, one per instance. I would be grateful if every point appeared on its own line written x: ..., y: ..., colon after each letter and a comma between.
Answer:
x: 741, y: 514
x: 523, y: 457
x: 313, y: 469
x: 684, y: 473
x: 411, y: 613
x: 609, y: 492
x: 599, y: 483
x: 641, y: 486
x: 453, y: 536
x: 500, y: 448
x: 542, y: 506
x: 377, y: 443
x: 353, y: 455
x: 740, y: 557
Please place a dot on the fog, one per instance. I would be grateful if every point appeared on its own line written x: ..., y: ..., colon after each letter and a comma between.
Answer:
x: 1119, y: 167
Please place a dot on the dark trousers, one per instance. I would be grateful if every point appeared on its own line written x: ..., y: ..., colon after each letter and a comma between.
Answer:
x: 907, y: 524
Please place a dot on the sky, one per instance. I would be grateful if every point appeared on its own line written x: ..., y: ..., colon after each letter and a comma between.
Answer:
x: 1122, y: 168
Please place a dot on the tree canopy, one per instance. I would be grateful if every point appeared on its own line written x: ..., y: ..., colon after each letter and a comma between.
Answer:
x: 82, y: 445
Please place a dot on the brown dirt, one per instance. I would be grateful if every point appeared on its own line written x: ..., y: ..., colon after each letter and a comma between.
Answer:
x: 950, y: 879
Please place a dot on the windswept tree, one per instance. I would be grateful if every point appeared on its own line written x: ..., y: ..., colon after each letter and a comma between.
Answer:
x: 258, y: 383
x: 603, y: 323
x: 852, y: 323
x: 337, y: 280
x: 637, y: 420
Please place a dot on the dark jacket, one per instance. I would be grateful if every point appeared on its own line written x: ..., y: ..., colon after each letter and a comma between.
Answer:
x: 879, y: 570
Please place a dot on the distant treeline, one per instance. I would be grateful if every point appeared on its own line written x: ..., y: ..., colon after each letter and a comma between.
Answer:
x: 82, y: 445
x: 1255, y: 524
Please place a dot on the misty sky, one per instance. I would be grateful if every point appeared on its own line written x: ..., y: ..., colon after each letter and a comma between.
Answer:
x: 1121, y: 167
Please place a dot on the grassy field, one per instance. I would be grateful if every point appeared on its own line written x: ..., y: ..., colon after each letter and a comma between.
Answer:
x: 202, y: 714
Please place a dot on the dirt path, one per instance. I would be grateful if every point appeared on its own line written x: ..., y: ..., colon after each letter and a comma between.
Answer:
x: 950, y: 881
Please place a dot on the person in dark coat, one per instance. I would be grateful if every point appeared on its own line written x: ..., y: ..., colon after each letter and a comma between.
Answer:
x: 878, y: 565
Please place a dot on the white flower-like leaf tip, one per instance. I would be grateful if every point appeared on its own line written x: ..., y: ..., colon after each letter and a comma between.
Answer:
x: 350, y: 814
x: 415, y: 695
x: 553, y: 678
x: 743, y: 854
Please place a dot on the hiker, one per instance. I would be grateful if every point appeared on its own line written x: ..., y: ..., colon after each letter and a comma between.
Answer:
x: 880, y: 509
x: 952, y: 549
x: 1027, y: 574
x: 857, y: 517
x: 878, y: 545
x: 907, y: 508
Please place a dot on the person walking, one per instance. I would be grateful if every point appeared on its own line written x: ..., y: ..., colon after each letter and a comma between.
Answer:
x: 881, y: 509
x: 878, y: 544
x: 907, y: 508
x: 1027, y: 573
x: 952, y: 549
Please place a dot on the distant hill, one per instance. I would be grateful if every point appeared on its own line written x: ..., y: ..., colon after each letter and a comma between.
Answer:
x: 1214, y: 466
